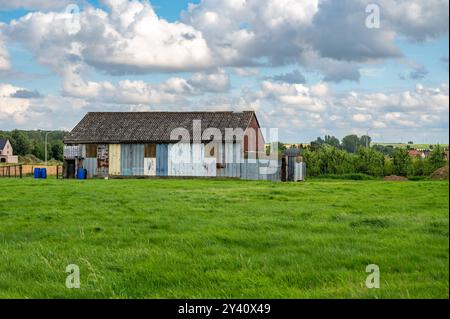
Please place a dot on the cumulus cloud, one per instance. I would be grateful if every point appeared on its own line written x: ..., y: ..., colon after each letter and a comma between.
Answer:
x: 130, y: 38
x: 35, y: 4
x: 322, y: 35
x: 211, y: 82
x: 296, y: 96
x: 139, y: 92
x: 19, y: 110
x: 25, y: 94
x: 419, y: 19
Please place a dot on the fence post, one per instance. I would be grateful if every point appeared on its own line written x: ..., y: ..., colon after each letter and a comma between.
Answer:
x: 20, y: 171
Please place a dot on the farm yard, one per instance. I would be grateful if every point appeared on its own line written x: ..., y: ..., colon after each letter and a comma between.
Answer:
x: 181, y: 238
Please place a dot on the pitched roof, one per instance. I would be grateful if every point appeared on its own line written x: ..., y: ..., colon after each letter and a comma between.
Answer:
x: 149, y: 127
x: 3, y: 143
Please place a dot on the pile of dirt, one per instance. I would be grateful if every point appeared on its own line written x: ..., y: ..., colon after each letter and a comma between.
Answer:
x: 441, y: 173
x: 395, y: 178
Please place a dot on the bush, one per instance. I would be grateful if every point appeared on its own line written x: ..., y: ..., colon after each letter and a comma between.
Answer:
x: 416, y: 178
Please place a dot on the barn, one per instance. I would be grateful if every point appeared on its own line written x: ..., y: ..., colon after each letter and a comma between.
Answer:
x: 162, y: 143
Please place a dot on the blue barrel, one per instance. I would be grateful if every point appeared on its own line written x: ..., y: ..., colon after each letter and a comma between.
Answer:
x: 37, y: 173
x: 81, y: 173
x: 43, y: 173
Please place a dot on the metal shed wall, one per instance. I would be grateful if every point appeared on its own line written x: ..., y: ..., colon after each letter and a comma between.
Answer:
x: 132, y: 159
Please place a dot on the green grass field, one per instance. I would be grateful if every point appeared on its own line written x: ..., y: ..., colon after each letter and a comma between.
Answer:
x: 223, y: 239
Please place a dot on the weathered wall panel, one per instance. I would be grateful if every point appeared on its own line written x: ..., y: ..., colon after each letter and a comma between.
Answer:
x: 161, y: 160
x: 114, y: 159
x: 90, y: 164
x: 232, y: 161
x: 132, y: 159
x: 180, y: 162
x: 150, y: 166
x: 186, y: 159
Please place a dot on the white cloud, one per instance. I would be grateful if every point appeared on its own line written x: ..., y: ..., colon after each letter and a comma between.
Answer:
x: 419, y: 20
x: 296, y: 96
x: 361, y: 118
x: 5, y: 63
x: 129, y: 39
x: 41, y: 112
x: 35, y: 4
x: 139, y: 92
x: 213, y: 82
x: 325, y: 36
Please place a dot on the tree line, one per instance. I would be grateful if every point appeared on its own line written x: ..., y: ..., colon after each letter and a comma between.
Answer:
x: 353, y: 154
x: 26, y: 143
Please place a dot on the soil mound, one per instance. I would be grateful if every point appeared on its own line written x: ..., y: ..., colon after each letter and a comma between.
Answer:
x: 441, y: 173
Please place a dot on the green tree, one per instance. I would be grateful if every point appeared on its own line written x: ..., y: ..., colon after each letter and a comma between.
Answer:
x: 365, y: 141
x: 318, y: 143
x: 350, y: 143
x: 386, y: 150
x: 401, y: 162
x: 20, y: 143
x: 38, y: 150
x: 57, y: 150
x: 370, y: 161
x: 417, y: 167
x: 333, y: 141
x: 436, y: 159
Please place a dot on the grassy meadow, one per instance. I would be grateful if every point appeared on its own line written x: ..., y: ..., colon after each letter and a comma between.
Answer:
x: 223, y: 238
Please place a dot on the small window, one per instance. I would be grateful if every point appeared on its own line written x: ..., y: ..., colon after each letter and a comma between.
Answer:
x: 91, y: 150
x: 150, y: 150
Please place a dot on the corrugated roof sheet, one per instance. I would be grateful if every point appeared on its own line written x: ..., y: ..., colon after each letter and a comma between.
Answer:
x: 149, y: 127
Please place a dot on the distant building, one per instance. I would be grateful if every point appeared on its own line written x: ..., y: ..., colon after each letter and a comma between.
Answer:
x: 417, y: 153
x: 7, y: 153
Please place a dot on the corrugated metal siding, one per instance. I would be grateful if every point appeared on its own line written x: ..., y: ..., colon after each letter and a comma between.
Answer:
x: 300, y: 171
x: 291, y: 168
x: 185, y: 159
x: 150, y: 166
x: 180, y: 160
x: 198, y: 157
x: 261, y: 170
x: 161, y: 159
x: 114, y: 159
x: 132, y: 159
x: 232, y: 161
x: 90, y: 164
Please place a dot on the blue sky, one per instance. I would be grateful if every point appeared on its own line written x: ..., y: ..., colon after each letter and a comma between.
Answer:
x: 278, y: 59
